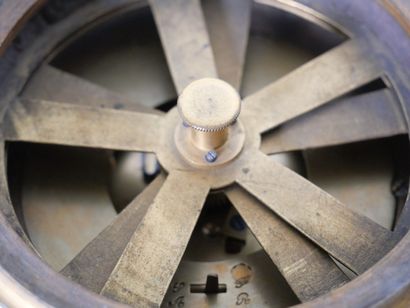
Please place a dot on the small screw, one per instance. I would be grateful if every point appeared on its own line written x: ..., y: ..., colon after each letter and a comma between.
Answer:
x: 185, y: 124
x: 236, y: 222
x: 211, y: 156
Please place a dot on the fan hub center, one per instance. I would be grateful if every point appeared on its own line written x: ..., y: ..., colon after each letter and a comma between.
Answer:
x: 209, y: 110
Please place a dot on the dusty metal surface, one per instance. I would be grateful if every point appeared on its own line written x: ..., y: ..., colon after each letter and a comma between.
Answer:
x: 67, y: 124
x: 294, y: 256
x: 278, y: 188
x: 76, y: 90
x: 349, y: 236
x: 363, y: 117
x: 107, y: 247
x: 400, y: 11
x: 332, y: 74
x: 13, y: 15
x: 228, y: 24
x: 185, y: 40
x: 157, y: 245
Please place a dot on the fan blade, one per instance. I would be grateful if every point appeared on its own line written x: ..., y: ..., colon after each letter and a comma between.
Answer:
x: 359, y: 118
x: 94, y: 264
x: 351, y: 238
x: 228, y: 22
x: 309, y: 270
x: 74, y: 125
x: 52, y: 84
x: 317, y: 82
x: 185, y: 39
x: 151, y: 258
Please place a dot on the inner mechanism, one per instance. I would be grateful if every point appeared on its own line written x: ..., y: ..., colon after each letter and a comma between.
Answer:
x: 210, y: 133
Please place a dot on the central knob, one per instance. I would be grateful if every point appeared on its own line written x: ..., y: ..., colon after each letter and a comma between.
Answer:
x: 209, y: 107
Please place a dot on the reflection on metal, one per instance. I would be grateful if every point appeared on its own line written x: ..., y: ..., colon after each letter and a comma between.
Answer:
x: 307, y: 13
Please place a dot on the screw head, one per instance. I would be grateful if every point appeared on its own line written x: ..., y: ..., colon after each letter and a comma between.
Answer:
x: 236, y: 222
x: 211, y: 156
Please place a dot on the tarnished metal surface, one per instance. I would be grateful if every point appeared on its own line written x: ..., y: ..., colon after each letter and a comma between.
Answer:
x: 185, y: 39
x: 350, y: 237
x: 359, y: 245
x: 145, y: 269
x: 76, y: 91
x: 295, y: 257
x: 106, y: 248
x: 352, y: 119
x: 228, y: 23
x: 15, y: 295
x: 75, y: 125
x: 400, y: 11
x: 13, y: 15
x: 327, y: 77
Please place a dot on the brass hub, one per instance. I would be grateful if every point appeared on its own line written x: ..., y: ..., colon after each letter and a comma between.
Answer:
x: 209, y: 125
x: 218, y: 177
x: 181, y: 150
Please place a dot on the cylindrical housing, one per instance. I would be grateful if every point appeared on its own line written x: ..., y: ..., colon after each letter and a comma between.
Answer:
x: 209, y: 140
x: 209, y: 107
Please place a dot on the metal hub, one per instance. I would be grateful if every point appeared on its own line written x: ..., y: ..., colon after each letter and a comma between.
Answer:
x: 178, y: 152
x: 210, y: 134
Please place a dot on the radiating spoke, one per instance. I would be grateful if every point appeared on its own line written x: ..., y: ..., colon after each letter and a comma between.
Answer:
x: 73, y: 125
x: 359, y: 118
x: 145, y: 269
x: 309, y: 270
x: 353, y: 239
x: 327, y: 77
x: 52, y: 84
x: 94, y: 264
x: 228, y: 22
x: 185, y: 39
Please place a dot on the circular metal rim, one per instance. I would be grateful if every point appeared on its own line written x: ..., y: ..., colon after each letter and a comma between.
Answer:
x: 386, y: 277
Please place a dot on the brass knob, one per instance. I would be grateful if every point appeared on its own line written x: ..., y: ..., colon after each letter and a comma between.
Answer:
x: 209, y: 107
